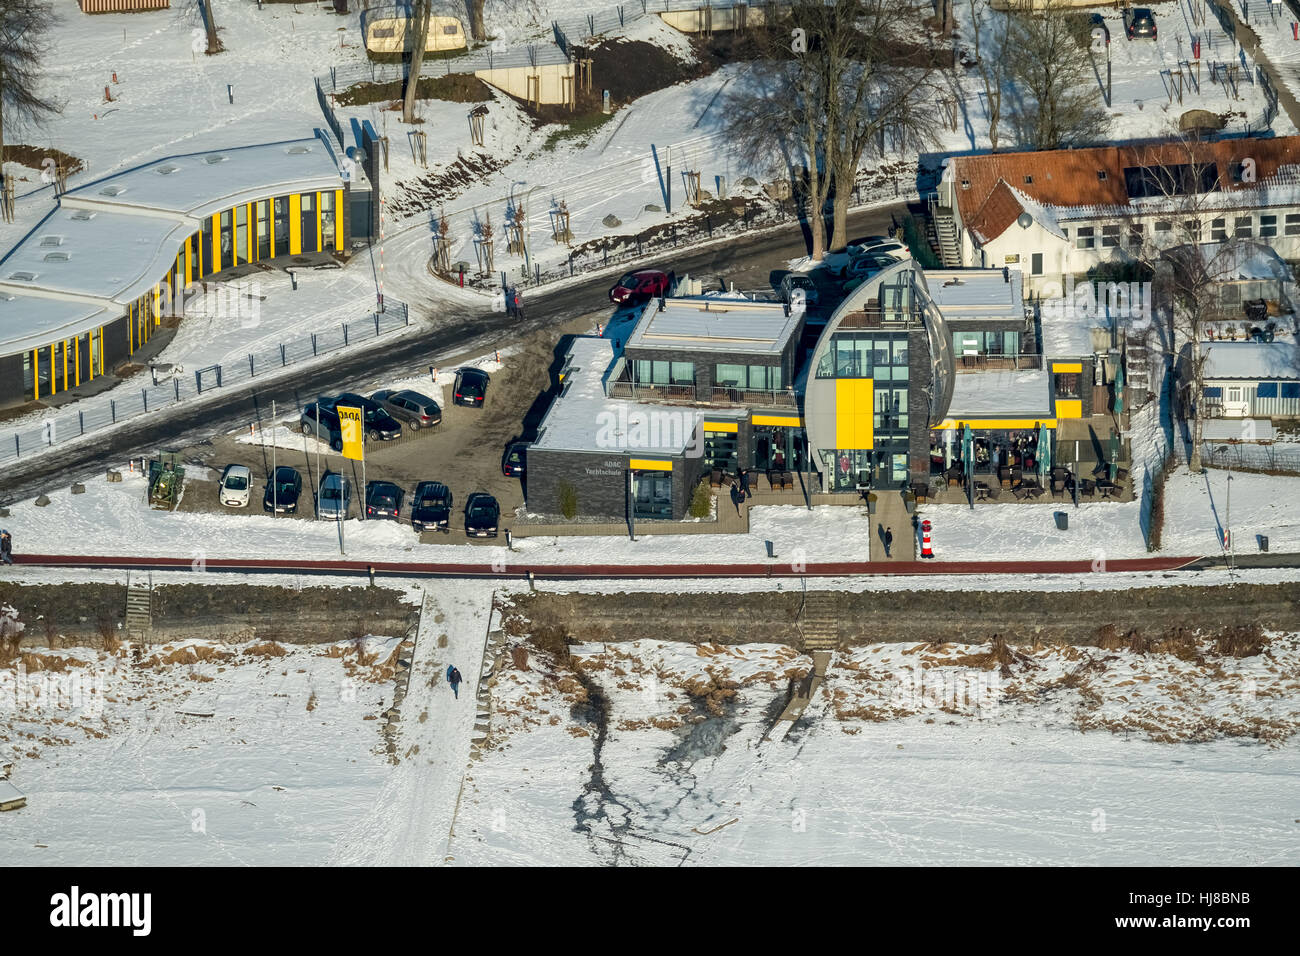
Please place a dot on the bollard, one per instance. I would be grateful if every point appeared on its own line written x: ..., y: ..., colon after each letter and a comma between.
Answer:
x: 927, y: 550
x: 372, y: 575
x: 498, y: 356
x: 230, y: 92
x: 510, y: 544
x: 532, y: 586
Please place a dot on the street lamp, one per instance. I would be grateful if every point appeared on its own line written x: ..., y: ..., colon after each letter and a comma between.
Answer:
x: 1227, y: 510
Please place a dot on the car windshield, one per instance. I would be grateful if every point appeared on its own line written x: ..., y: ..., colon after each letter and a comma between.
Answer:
x: 285, y: 488
x: 483, y: 511
x: 384, y: 501
x: 331, y: 493
x: 236, y: 482
x: 628, y: 281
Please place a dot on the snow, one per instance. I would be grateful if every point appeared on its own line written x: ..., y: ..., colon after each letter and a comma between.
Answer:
x: 1000, y: 392
x: 1251, y: 360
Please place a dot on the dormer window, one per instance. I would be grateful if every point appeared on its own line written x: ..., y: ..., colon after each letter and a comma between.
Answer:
x: 1029, y: 180
x: 965, y: 184
x: 1101, y: 175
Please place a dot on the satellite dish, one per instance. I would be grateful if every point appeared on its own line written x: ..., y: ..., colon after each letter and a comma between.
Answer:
x: 1025, y: 220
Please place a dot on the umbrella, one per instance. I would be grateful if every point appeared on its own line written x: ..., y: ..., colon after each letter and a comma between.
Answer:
x: 1114, y: 455
x: 949, y: 436
x: 1044, y: 450
x: 967, y: 449
x: 1119, y: 390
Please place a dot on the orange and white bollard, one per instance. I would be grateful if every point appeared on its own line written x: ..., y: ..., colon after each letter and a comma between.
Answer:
x: 927, y: 551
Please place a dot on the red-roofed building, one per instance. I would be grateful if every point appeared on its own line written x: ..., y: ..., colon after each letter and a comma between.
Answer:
x: 1063, y: 212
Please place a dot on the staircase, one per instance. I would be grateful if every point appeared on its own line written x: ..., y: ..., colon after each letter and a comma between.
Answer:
x: 819, y: 622
x: 139, y: 609
x: 1137, y: 370
x: 945, y: 226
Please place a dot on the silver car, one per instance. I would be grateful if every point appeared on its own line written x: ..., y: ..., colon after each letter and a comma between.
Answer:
x: 335, y: 497
x: 418, y: 411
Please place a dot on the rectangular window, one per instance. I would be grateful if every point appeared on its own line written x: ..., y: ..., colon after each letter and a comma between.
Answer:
x: 1291, y: 389
x: 1292, y: 227
x: 241, y: 234
x: 263, y: 230
x: 281, y: 225
x: 1266, y: 390
x: 1164, y: 225
x: 1218, y: 230
x: 682, y: 373
x: 1212, y: 391
x: 1244, y: 227
x: 1135, y: 234
x: 327, y: 220
x: 1193, y: 229
x: 1066, y: 384
x: 730, y: 376
x: 1110, y: 236
x: 1036, y: 264
x: 1267, y: 227
x: 1085, y: 240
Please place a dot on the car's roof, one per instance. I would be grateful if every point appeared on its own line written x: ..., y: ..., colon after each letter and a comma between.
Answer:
x: 238, y: 470
x: 383, y: 486
x: 480, y: 497
x: 286, y: 471
x: 431, y: 486
x: 471, y: 371
x: 414, y: 396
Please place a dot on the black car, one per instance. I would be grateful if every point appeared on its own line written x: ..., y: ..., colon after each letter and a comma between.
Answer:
x: 418, y: 411
x: 482, y: 513
x: 431, y: 507
x: 319, y: 419
x: 516, y: 459
x: 380, y: 426
x: 1142, y: 25
x: 383, y: 500
x: 471, y: 386
x: 282, y: 491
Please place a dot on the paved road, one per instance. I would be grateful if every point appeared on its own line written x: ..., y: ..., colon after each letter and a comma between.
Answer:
x: 747, y: 259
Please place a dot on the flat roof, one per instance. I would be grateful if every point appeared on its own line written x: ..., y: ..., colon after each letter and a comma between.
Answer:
x: 715, y: 324
x: 1065, y: 335
x: 582, y: 418
x: 977, y: 293
x: 198, y: 184
x: 1252, y: 360
x: 1001, y: 393
x: 34, y: 321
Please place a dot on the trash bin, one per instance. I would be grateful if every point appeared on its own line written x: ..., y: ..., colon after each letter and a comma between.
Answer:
x: 1263, y: 542
x: 1062, y: 521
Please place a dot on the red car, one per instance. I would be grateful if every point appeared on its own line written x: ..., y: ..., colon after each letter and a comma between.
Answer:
x: 642, y: 286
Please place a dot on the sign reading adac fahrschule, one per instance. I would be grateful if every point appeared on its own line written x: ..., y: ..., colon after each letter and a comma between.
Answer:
x: 351, y: 428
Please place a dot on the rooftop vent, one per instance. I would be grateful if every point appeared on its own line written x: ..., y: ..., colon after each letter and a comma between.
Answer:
x: 23, y: 276
x: 82, y: 215
x: 213, y: 158
x: 51, y: 240
x: 112, y: 190
x: 57, y: 257
x: 298, y: 150
x: 167, y: 169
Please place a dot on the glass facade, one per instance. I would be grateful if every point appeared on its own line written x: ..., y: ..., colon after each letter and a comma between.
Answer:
x: 865, y: 355
x: 747, y: 376
x: 652, y: 494
x: 986, y: 343
x: 655, y: 372
x: 721, y: 450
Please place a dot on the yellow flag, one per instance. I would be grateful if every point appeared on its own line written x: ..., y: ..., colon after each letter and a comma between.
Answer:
x: 350, y: 424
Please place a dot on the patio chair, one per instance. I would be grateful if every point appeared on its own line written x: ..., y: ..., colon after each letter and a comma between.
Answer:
x: 1020, y: 493
x: 774, y: 480
x: 715, y: 478
x: 1121, y: 474
x: 1087, y: 489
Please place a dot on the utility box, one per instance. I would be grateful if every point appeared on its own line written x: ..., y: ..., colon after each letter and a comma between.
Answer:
x: 1263, y: 542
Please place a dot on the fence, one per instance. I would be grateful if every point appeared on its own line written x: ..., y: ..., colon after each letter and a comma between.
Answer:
x: 125, y: 403
x: 1252, y: 457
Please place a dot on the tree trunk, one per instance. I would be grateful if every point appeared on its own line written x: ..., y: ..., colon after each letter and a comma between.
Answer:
x: 477, y: 30
x: 815, y: 202
x: 210, y: 27
x: 418, y: 36
x: 1194, y: 458
x: 840, y: 209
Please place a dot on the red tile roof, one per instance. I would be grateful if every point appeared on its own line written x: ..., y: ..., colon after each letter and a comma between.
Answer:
x: 1073, y: 177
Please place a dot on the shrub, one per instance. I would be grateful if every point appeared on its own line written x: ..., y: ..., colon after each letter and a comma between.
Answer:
x: 568, y: 500
x: 701, y: 501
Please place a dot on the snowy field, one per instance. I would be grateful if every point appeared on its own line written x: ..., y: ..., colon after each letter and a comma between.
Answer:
x: 895, y: 761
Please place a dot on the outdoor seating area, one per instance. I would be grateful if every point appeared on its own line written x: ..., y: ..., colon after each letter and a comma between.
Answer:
x: 1014, y: 484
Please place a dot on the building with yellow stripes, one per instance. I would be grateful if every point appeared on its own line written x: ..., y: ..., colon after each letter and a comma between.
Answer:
x: 89, y: 286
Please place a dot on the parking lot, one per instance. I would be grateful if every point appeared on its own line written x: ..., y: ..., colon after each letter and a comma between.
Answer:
x: 464, y: 452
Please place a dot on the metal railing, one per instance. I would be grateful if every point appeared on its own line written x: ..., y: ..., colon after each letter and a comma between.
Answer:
x: 125, y: 402
x: 984, y: 363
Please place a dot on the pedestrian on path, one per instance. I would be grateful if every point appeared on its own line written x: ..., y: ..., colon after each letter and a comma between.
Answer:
x: 889, y: 540
x: 453, y: 678
x: 737, y: 496
x: 519, y: 304
x: 6, y: 548
x: 744, y: 484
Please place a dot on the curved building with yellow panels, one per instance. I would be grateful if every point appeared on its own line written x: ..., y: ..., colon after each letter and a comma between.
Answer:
x: 89, y: 285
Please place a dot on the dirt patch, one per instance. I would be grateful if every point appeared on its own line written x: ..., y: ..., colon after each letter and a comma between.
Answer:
x: 455, y: 88
x: 33, y: 157
x: 445, y: 183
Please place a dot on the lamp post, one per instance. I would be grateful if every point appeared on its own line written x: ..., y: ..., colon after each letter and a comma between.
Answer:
x: 1227, y: 510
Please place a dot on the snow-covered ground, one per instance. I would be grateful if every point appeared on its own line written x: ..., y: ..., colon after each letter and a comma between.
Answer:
x: 907, y: 755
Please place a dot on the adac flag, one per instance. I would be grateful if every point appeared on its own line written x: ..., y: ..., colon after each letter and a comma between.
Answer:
x: 351, y: 427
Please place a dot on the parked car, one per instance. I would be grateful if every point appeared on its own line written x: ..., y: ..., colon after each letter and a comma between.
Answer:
x: 471, y: 386
x: 431, y: 507
x: 380, y: 426
x: 235, y: 487
x: 856, y: 247
x: 335, y: 496
x: 875, y: 258
x: 482, y: 513
x: 642, y: 286
x: 864, y: 268
x: 1142, y: 25
x: 326, y: 427
x: 418, y: 411
x: 383, y: 500
x: 515, y: 460
x: 283, y: 489
x: 799, y: 280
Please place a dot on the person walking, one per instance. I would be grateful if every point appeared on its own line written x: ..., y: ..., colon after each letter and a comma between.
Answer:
x: 519, y: 305
x: 6, y: 548
x: 737, y: 496
x: 744, y: 484
x: 889, y: 540
x: 453, y: 678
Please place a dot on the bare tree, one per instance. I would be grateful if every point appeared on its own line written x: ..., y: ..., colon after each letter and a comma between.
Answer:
x: 1046, y: 51
x: 24, y: 45
x: 881, y: 84
x: 417, y: 37
x: 1187, y: 256
x: 992, y: 67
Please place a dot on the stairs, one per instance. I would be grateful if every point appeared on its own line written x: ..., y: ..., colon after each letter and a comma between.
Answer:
x: 139, y: 609
x: 492, y: 652
x: 820, y: 623
x: 945, y: 226
x: 1137, y: 369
